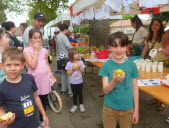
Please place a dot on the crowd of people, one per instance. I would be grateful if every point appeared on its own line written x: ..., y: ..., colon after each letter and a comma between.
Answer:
x: 23, y: 93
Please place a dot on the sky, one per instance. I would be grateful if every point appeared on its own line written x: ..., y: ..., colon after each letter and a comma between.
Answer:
x: 17, y: 19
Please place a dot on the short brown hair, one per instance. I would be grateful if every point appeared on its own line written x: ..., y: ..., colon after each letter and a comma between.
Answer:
x: 24, y: 25
x: 123, y: 39
x: 72, y: 51
x: 12, y: 53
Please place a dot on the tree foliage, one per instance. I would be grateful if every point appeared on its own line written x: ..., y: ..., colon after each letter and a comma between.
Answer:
x: 16, y: 6
x: 126, y: 17
x: 81, y: 29
x: 50, y: 8
x: 163, y: 16
x: 6, y: 6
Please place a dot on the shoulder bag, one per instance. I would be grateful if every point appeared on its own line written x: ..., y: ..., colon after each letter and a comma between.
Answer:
x: 62, y: 62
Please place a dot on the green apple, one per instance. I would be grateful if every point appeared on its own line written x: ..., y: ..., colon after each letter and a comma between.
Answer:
x: 119, y: 71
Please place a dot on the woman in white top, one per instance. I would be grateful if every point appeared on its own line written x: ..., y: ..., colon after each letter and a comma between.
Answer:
x: 139, y: 34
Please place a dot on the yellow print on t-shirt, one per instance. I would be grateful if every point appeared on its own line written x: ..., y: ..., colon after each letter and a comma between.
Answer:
x: 27, y: 104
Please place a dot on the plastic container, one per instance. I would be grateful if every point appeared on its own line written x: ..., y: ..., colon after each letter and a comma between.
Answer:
x: 102, y: 55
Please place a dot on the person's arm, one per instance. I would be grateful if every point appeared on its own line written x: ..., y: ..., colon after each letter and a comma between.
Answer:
x: 136, y: 101
x: 41, y: 109
x: 32, y: 60
x: 67, y: 43
x: 81, y: 70
x: 145, y: 50
x: 146, y: 37
x: 69, y: 72
x: 8, y: 121
x: 165, y: 51
x: 51, y: 74
x: 82, y: 67
x: 2, y: 112
x: 108, y: 87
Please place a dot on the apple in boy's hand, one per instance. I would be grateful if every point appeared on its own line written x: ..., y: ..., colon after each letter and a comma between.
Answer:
x: 119, y: 71
x: 6, y: 116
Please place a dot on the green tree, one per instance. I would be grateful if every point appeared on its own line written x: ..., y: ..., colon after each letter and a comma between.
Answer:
x: 10, y: 6
x: 82, y: 29
x: 50, y: 8
x: 163, y: 16
x: 126, y: 17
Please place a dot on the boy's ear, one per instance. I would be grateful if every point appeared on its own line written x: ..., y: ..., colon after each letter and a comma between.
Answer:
x: 109, y: 47
x: 23, y: 65
x: 2, y: 65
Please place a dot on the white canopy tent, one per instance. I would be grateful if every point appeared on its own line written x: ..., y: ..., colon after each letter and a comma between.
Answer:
x: 66, y: 18
x: 122, y: 7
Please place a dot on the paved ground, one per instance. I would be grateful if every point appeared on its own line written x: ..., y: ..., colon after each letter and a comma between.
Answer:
x: 92, y: 118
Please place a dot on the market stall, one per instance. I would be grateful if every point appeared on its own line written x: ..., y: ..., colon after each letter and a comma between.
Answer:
x: 157, y: 91
x: 120, y: 7
x: 97, y: 11
x: 66, y: 18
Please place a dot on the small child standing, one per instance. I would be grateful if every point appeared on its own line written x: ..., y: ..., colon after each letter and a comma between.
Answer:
x: 36, y: 58
x: 75, y: 68
x: 18, y: 93
x: 4, y: 43
x: 121, y: 100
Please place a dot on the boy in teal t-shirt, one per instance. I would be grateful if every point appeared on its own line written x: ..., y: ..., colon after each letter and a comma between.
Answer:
x: 121, y: 101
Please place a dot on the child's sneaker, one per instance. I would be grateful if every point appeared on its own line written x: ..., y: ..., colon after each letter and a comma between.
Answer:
x: 73, y: 109
x: 82, y: 109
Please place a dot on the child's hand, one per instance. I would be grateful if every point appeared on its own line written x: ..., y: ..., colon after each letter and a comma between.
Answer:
x: 37, y: 46
x: 20, y: 48
x: 165, y: 51
x: 53, y: 78
x: 119, y: 77
x: 9, y: 120
x: 135, y: 118
x: 46, y: 121
x: 75, y: 67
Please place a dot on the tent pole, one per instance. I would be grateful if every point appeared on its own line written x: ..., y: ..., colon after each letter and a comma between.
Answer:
x: 50, y: 31
x: 122, y: 25
x: 47, y: 31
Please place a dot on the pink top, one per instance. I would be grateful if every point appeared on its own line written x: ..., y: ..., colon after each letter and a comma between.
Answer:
x: 41, y: 72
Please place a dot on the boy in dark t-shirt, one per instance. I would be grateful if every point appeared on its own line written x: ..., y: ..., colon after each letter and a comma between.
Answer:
x: 18, y: 93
